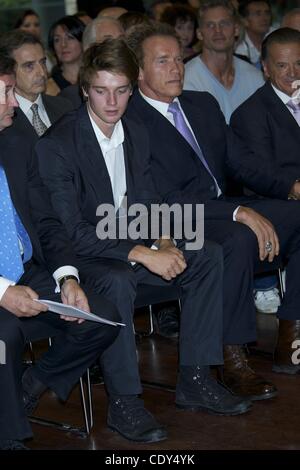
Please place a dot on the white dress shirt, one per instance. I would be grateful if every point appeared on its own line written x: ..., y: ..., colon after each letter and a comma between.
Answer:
x: 284, y: 98
x: 113, y: 154
x: 25, y: 106
x: 162, y: 108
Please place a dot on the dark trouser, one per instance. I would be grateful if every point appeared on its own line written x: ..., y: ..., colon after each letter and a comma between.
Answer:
x: 74, y: 349
x: 241, y: 262
x: 201, y: 314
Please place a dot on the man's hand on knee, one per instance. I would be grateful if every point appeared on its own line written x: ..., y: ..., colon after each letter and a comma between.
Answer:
x: 267, y: 238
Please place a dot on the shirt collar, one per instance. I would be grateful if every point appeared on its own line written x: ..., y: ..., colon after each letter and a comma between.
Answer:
x: 160, y: 106
x: 26, y: 104
x: 282, y: 96
x: 116, y: 139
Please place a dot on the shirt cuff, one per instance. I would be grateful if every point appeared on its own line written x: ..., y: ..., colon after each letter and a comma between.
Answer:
x: 4, y: 285
x: 64, y: 271
x: 234, y: 214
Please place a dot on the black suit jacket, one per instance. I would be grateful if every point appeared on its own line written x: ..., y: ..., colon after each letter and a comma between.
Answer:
x: 31, y: 200
x: 270, y: 130
x: 177, y: 169
x: 73, y: 168
x: 55, y: 107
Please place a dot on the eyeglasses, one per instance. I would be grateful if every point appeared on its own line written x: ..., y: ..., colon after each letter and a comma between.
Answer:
x: 223, y: 24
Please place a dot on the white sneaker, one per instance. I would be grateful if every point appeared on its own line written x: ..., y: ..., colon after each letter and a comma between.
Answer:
x: 267, y: 301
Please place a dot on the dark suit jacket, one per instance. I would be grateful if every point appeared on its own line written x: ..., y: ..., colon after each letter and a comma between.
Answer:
x: 32, y: 202
x: 177, y: 169
x: 269, y: 129
x: 55, y: 107
x: 73, y: 168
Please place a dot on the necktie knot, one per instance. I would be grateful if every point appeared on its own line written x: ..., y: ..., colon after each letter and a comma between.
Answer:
x: 39, y: 126
x: 174, y: 108
x: 294, y: 105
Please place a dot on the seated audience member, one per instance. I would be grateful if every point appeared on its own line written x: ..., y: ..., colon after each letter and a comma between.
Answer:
x: 65, y: 41
x: 257, y: 18
x: 292, y: 19
x: 29, y: 22
x: 268, y: 122
x: 36, y: 111
x: 93, y: 157
x: 229, y: 79
x: 192, y: 154
x: 184, y: 21
x: 36, y: 260
x: 99, y: 29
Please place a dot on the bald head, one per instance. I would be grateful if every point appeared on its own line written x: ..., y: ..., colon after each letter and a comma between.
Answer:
x: 292, y: 19
x: 100, y: 29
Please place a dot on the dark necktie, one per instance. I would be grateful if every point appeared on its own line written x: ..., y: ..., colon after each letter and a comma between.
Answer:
x: 39, y: 126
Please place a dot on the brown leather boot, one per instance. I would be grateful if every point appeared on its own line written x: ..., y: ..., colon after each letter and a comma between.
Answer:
x: 240, y: 379
x: 288, y: 332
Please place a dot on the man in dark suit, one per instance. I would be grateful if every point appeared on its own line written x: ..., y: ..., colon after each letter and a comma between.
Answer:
x: 36, y: 261
x: 91, y: 160
x: 36, y: 111
x: 268, y: 122
x: 192, y: 152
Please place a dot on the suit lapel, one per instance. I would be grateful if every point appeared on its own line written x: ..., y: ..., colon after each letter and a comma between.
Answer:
x: 92, y: 160
x: 54, y: 113
x: 279, y: 111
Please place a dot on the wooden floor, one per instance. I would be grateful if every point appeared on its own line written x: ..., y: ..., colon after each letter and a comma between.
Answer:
x: 273, y: 424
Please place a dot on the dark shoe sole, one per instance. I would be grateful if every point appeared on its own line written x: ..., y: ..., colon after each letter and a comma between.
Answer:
x: 157, y: 436
x: 290, y: 370
x: 214, y: 412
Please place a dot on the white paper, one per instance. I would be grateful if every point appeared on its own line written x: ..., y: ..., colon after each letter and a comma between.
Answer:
x: 68, y: 310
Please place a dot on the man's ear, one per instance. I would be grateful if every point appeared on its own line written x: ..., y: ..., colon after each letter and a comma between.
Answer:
x: 265, y: 68
x: 199, y: 34
x: 237, y: 30
x: 141, y: 74
x: 84, y: 93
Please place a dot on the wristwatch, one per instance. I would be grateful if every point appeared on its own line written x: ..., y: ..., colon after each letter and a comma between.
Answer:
x: 66, y: 278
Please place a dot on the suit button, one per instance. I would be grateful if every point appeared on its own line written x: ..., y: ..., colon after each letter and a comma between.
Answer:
x: 212, y: 188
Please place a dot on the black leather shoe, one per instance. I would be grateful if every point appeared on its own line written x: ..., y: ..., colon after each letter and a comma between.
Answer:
x: 198, y: 390
x: 166, y: 322
x: 32, y: 390
x: 10, y: 444
x: 128, y: 416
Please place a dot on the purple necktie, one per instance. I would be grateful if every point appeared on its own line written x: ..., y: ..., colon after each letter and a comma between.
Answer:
x: 184, y: 130
x: 295, y: 107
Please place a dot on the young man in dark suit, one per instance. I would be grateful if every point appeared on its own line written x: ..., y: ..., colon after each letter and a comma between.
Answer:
x: 94, y: 157
x: 37, y: 111
x: 192, y: 153
x: 269, y: 121
x: 36, y: 261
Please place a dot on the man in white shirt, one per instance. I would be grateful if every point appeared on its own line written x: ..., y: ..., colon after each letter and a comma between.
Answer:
x: 36, y: 111
x: 36, y: 261
x: 216, y: 70
x: 93, y: 157
x: 268, y: 122
x: 257, y: 17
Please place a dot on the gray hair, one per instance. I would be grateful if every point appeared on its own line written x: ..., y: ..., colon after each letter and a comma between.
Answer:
x: 90, y: 33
